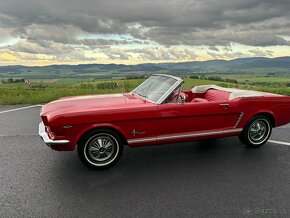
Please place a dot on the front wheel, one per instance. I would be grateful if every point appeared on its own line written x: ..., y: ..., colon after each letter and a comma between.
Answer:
x: 256, y: 132
x: 100, y: 149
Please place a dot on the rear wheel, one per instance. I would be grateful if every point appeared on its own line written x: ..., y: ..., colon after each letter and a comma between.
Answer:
x: 256, y: 132
x: 100, y: 149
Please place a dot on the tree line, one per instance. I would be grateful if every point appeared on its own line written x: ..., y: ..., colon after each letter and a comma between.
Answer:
x: 11, y: 80
x: 214, y: 78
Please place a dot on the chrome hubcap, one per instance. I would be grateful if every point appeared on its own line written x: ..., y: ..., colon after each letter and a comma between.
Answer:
x: 101, y: 148
x: 258, y: 131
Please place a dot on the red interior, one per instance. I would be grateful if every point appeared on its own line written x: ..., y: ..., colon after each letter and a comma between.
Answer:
x: 216, y: 95
x: 209, y: 95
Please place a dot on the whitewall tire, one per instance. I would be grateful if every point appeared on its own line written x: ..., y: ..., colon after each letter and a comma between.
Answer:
x: 100, y: 148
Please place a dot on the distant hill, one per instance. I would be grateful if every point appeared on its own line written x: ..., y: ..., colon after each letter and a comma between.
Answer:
x: 99, y: 71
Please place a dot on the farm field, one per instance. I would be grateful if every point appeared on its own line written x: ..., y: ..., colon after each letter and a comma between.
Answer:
x: 48, y: 90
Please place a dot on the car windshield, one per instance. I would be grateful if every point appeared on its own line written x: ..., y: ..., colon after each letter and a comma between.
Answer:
x: 155, y: 87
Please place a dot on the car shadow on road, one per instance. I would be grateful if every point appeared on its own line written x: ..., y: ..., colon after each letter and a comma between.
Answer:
x: 160, y: 157
x: 207, y: 145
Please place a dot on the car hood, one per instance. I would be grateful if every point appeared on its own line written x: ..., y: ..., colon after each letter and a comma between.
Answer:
x: 90, y: 102
x: 81, y: 104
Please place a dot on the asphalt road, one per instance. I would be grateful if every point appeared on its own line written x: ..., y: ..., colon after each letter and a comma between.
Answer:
x: 214, y: 178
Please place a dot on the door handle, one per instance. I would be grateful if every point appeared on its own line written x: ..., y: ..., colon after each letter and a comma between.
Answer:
x: 225, y: 106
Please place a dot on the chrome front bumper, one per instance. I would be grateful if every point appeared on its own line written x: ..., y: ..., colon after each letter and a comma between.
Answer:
x: 43, y: 134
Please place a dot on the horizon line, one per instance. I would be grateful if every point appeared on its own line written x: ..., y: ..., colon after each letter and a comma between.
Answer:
x: 173, y: 62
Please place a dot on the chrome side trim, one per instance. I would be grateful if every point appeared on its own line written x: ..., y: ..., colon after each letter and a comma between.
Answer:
x: 199, y: 134
x: 191, y: 135
x: 132, y: 141
x: 43, y: 134
x: 239, y: 120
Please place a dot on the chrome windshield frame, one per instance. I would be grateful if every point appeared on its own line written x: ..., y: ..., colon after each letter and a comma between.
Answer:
x: 178, y: 82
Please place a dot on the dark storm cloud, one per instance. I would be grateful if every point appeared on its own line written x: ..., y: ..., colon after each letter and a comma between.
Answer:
x: 172, y: 22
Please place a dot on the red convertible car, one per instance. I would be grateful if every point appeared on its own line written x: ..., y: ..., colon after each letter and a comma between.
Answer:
x: 158, y: 111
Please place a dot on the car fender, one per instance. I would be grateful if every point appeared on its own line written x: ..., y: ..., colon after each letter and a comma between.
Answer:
x: 91, y: 127
x: 250, y: 115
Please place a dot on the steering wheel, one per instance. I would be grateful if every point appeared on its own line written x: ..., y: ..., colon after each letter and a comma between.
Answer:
x: 177, y: 97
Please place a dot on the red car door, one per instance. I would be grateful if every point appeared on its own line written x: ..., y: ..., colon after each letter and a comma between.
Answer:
x: 184, y: 119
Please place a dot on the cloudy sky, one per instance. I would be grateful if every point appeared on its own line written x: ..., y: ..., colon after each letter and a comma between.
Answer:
x: 43, y: 32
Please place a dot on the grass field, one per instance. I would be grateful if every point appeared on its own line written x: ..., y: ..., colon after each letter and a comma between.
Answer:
x: 45, y: 91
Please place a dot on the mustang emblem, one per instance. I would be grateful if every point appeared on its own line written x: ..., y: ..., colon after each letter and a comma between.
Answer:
x: 135, y: 132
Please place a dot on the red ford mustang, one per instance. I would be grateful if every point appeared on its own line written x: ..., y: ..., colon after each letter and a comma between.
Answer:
x: 156, y: 112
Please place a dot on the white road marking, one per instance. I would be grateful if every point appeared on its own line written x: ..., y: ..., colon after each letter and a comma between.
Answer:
x: 19, y: 135
x: 279, y: 142
x: 21, y: 108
